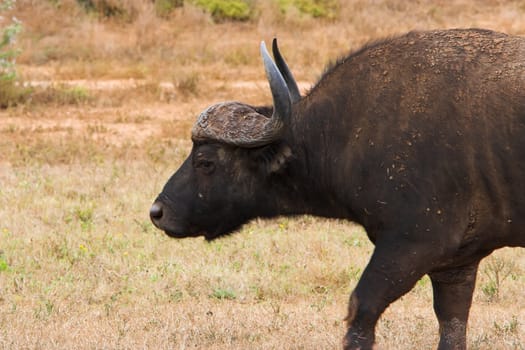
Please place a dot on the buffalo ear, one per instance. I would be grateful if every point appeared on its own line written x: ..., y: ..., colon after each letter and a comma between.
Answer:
x: 272, y: 158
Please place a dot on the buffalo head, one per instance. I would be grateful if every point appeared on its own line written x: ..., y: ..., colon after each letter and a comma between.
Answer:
x: 237, y: 151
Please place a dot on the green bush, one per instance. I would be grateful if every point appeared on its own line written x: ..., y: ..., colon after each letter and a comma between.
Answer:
x: 10, y: 91
x: 7, y: 53
x: 164, y: 7
x: 127, y: 10
x: 118, y: 9
x: 315, y: 8
x: 222, y: 10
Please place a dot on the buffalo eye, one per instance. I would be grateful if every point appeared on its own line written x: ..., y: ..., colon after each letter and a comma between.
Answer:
x: 206, y: 166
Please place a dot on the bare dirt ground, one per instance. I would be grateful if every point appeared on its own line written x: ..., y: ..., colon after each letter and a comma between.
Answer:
x: 129, y: 122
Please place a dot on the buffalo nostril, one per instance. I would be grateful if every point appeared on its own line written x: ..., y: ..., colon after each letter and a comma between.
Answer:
x: 156, y: 211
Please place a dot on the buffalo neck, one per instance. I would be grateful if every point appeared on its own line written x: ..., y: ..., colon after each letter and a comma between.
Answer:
x: 322, y: 158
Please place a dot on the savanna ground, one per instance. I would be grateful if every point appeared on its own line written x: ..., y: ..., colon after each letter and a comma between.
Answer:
x: 107, y: 122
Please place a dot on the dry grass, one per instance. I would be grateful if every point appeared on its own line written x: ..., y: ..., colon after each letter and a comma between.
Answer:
x: 81, y: 266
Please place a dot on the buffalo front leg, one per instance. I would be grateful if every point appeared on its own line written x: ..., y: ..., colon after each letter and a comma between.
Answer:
x: 392, y: 271
x: 453, y: 290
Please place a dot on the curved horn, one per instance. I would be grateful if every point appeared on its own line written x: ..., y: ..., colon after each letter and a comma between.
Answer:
x: 282, y: 105
x: 242, y: 125
x: 285, y: 71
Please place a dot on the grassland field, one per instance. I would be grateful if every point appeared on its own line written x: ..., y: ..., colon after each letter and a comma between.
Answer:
x: 107, y: 121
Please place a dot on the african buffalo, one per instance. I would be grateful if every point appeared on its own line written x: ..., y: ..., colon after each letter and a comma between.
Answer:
x: 419, y: 138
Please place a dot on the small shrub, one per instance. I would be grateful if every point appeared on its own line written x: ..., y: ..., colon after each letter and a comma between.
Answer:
x: 119, y: 9
x: 509, y: 327
x: 497, y: 270
x: 164, y: 7
x: 491, y: 290
x: 44, y: 310
x: 315, y: 8
x: 222, y: 10
x: 88, y: 5
x: 85, y: 216
x: 4, y: 266
x: 11, y: 93
x: 7, y: 53
x: 223, y: 294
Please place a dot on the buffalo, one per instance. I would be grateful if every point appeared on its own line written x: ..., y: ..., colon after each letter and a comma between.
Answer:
x: 419, y: 138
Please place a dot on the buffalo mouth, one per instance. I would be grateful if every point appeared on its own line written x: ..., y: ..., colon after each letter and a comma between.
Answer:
x: 209, y: 236
x: 182, y: 234
x: 184, y: 231
x: 176, y: 226
x: 177, y: 229
x: 193, y: 231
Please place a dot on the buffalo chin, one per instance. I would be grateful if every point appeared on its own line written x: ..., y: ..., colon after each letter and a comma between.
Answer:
x: 221, y: 231
x: 174, y: 234
x: 208, y: 235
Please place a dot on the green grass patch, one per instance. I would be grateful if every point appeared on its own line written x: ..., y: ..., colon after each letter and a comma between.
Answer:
x: 4, y: 266
x: 222, y: 10
x: 164, y: 7
x: 316, y: 8
x: 223, y: 294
